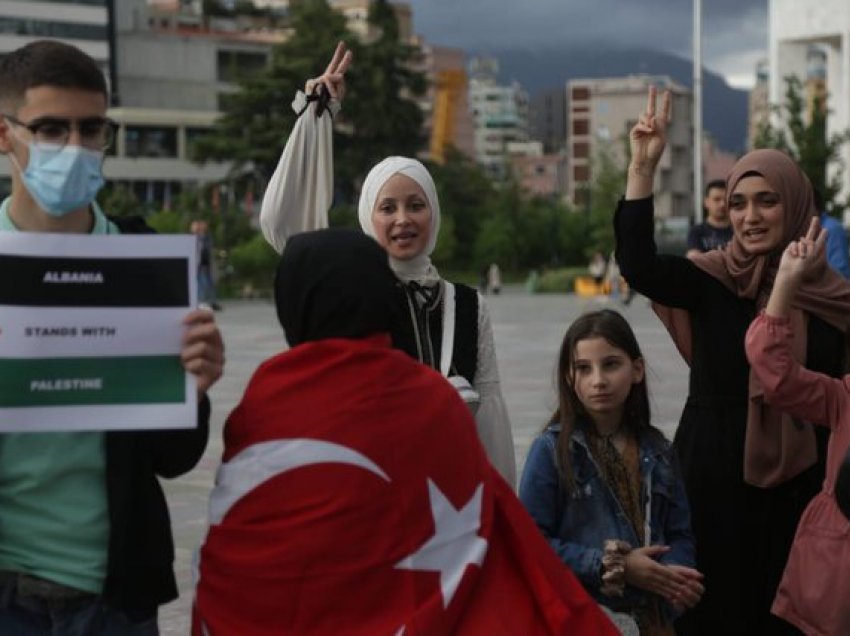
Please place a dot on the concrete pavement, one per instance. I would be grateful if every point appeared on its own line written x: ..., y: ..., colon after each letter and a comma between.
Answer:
x: 528, y: 331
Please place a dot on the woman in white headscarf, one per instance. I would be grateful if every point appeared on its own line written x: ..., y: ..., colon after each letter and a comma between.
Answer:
x: 447, y: 326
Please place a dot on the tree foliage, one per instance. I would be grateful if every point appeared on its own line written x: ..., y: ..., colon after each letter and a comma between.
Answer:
x: 258, y: 118
x: 609, y: 183
x: 380, y: 107
x: 379, y: 116
x: 802, y: 133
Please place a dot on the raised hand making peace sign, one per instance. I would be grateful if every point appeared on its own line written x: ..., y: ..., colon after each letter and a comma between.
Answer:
x: 334, y: 76
x: 647, y: 141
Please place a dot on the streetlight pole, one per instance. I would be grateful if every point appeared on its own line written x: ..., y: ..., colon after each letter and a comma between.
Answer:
x: 697, y: 42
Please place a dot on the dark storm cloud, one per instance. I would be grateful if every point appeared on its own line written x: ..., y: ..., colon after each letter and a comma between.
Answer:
x: 734, y: 31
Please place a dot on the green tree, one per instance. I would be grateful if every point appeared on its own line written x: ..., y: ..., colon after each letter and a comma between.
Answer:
x: 257, y: 119
x: 254, y: 262
x: 469, y: 198
x: 804, y: 137
x: 119, y: 200
x: 379, y: 117
x: 608, y: 184
x: 381, y: 106
x: 167, y: 221
x: 446, y: 242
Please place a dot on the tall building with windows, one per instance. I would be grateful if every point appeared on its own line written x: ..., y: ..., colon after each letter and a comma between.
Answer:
x: 83, y: 23
x: 175, y: 72
x: 500, y: 113
x: 600, y: 114
x: 548, y: 119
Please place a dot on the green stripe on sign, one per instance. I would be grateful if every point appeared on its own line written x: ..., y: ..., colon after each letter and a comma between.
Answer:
x: 91, y: 381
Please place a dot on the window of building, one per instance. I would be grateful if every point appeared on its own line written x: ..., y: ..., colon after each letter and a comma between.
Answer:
x: 581, y: 127
x: 150, y: 141
x: 581, y: 150
x: 94, y: 3
x: 581, y: 197
x: 581, y: 174
x: 235, y: 65
x: 581, y: 109
x: 193, y: 135
x: 49, y: 29
x: 580, y: 93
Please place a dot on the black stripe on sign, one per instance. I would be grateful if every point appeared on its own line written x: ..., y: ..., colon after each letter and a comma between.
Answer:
x: 39, y: 281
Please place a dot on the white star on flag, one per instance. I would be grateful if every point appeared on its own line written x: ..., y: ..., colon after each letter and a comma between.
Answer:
x: 455, y: 543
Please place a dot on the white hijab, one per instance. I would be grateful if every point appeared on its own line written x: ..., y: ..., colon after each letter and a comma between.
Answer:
x: 418, y: 268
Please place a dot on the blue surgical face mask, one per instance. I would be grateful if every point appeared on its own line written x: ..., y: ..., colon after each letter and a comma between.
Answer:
x: 62, y: 178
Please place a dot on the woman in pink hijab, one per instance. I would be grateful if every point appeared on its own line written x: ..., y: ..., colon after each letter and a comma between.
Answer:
x: 749, y: 469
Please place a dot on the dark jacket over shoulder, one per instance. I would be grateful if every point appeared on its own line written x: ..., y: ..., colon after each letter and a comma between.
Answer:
x: 140, y: 567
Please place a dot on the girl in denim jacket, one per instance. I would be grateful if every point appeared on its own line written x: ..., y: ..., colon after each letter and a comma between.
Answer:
x: 602, y: 483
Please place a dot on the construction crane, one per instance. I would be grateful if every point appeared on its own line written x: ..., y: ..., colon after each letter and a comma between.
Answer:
x: 449, y: 84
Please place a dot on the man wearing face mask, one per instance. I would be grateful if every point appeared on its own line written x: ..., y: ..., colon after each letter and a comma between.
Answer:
x: 85, y: 537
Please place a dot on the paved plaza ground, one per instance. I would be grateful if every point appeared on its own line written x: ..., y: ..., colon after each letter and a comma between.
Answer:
x: 528, y: 331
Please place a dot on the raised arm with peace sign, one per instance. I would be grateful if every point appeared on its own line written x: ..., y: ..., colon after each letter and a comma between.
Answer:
x: 647, y: 140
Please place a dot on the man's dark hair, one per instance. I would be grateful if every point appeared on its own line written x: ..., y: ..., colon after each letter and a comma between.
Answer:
x: 47, y: 63
x: 714, y: 183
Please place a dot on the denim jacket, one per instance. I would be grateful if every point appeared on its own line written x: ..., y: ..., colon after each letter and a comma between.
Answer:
x: 578, y: 524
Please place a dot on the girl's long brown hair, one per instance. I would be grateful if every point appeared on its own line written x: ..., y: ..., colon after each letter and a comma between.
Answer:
x: 611, y: 326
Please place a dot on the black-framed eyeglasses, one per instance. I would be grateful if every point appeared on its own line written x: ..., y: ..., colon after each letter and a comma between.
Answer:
x: 96, y: 133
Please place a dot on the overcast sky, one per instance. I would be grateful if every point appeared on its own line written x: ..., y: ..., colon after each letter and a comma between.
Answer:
x: 734, y: 31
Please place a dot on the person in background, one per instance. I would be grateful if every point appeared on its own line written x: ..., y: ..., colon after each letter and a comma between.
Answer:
x: 207, y: 296
x: 612, y: 273
x: 494, y: 279
x: 716, y: 230
x: 603, y: 484
x: 596, y: 269
x: 837, y: 249
x: 85, y: 537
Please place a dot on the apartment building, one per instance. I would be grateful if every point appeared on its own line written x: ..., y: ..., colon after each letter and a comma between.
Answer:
x: 600, y: 114
x: 500, y: 113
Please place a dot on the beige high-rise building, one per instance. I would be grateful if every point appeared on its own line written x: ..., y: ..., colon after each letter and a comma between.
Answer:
x: 600, y: 113
x: 356, y: 13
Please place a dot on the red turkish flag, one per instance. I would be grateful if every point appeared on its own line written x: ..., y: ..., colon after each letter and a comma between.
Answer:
x: 355, y: 498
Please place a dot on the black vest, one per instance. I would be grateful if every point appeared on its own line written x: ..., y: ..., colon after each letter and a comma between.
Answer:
x: 419, y: 330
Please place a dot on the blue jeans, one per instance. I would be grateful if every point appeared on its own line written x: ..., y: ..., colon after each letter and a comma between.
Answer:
x: 31, y: 616
x: 206, y: 285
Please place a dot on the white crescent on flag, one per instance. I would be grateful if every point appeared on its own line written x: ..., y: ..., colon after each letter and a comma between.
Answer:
x: 260, y: 462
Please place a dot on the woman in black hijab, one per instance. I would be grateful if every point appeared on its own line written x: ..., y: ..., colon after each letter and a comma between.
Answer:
x: 334, y: 284
x: 345, y: 462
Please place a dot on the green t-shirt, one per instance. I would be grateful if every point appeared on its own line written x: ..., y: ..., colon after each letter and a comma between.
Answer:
x: 54, y: 515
